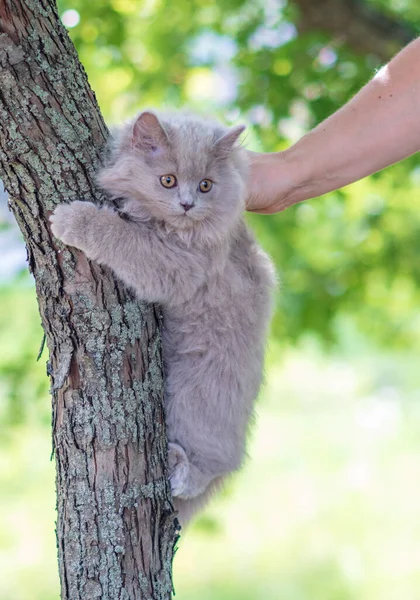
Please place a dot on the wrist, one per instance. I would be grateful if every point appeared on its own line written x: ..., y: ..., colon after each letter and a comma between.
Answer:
x: 309, y: 171
x: 297, y: 179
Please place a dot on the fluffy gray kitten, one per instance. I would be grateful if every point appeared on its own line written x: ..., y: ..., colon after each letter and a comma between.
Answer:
x: 183, y: 244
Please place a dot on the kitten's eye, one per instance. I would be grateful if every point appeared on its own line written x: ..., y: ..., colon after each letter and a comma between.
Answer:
x: 205, y: 185
x: 168, y: 181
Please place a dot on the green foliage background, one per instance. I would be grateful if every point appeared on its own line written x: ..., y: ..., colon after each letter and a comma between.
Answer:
x: 328, y: 507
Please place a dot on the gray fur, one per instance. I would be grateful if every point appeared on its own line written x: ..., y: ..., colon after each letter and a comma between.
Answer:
x: 205, y: 269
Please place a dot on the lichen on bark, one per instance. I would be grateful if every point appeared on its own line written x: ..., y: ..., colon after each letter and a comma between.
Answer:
x: 116, y: 528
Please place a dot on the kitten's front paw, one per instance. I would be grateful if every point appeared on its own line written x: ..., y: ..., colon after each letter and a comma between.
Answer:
x: 69, y: 222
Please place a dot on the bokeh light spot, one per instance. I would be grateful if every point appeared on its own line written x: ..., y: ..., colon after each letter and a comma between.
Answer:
x: 70, y: 18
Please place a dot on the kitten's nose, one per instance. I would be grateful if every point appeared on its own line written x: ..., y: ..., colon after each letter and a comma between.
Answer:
x: 186, y: 205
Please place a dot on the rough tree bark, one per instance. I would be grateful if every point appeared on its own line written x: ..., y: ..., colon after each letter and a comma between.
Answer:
x: 116, y: 528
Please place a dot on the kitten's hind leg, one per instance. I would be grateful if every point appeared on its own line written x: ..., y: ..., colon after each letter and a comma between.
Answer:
x: 186, y: 480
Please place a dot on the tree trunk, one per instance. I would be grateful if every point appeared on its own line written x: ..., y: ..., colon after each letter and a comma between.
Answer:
x: 116, y: 528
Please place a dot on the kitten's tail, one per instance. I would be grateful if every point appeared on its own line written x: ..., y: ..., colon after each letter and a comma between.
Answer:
x: 188, y: 508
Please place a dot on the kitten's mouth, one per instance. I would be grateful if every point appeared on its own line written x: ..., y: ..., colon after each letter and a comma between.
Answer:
x: 187, y: 214
x: 184, y: 220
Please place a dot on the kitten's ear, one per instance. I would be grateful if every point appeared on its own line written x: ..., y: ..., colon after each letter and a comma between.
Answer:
x: 148, y: 134
x: 224, y: 145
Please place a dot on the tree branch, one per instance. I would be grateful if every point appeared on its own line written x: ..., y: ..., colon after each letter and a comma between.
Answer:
x: 116, y: 529
x: 359, y: 25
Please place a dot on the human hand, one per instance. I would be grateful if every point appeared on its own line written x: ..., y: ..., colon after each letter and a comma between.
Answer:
x: 270, y: 183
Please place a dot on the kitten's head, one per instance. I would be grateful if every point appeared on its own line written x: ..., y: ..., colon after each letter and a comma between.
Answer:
x: 180, y: 169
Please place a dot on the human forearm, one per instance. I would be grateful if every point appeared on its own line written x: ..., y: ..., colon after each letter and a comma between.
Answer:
x: 379, y: 126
